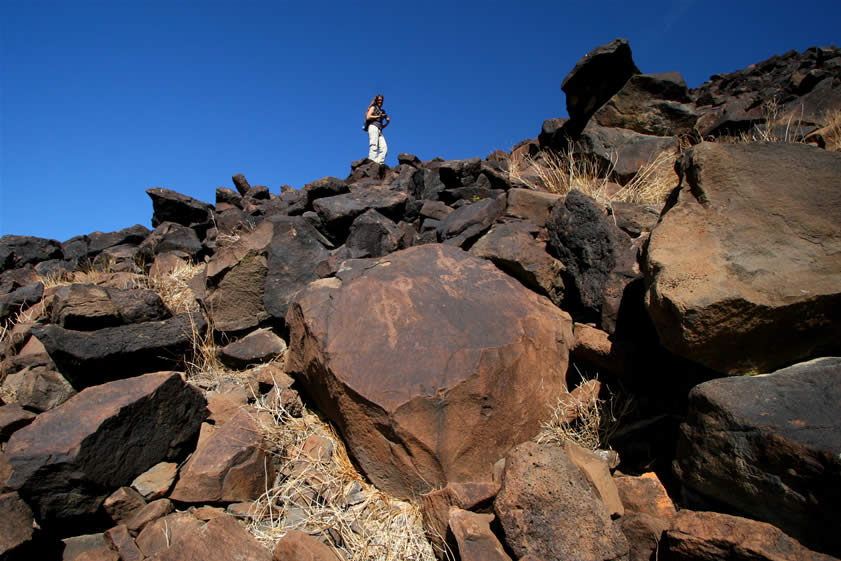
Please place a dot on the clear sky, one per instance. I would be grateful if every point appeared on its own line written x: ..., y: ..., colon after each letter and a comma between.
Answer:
x: 101, y: 100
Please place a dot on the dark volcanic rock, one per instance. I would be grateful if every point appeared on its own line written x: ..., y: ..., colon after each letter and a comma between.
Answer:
x: 373, y: 235
x: 257, y: 347
x: 69, y: 459
x: 17, y: 530
x: 87, y: 307
x: 170, y: 206
x: 100, y: 241
x: 170, y: 236
x: 461, y: 227
x: 338, y: 212
x: 13, y: 417
x: 87, y: 358
x: 17, y: 251
x: 596, y: 78
x: 768, y: 446
x: 621, y: 152
x: 19, y: 299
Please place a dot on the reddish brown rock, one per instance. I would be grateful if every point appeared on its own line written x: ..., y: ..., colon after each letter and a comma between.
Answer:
x: 597, y: 472
x: 70, y: 458
x: 224, y: 406
x: 436, y: 505
x: 743, y: 268
x: 123, y: 504
x: 147, y: 514
x: 165, y: 532
x: 648, y: 513
x: 16, y: 530
x: 221, y: 539
x: 300, y: 546
x: 154, y: 483
x: 458, y: 363
x: 13, y: 417
x: 548, y: 509
x: 531, y: 205
x: 39, y: 388
x: 259, y: 346
x: 122, y: 542
x: 476, y: 541
x: 596, y: 347
x: 697, y: 536
x: 229, y: 465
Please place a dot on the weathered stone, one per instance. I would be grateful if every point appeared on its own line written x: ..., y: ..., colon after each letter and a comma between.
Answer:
x: 415, y: 396
x: 467, y: 223
x: 13, y: 417
x: 594, y: 252
x: 100, y: 241
x: 373, y: 235
x: 711, y: 535
x: 123, y: 504
x: 597, y: 472
x: 69, y: 459
x: 154, y: 483
x: 75, y: 546
x: 39, y: 388
x: 648, y: 513
x: 338, y: 212
x: 17, y: 251
x: 86, y: 307
x: 17, y: 528
x: 221, y: 539
x: 122, y: 542
x: 87, y: 358
x: 170, y: 236
x: 436, y: 505
x: 148, y: 514
x: 324, y: 187
x: 241, y: 183
x: 225, y: 405
x: 548, y: 509
x: 170, y: 206
x: 163, y: 533
x: 743, y: 268
x: 300, y: 546
x: 512, y: 247
x: 768, y: 446
x: 20, y: 299
x: 596, y: 78
x: 595, y: 347
x: 531, y: 205
x: 657, y: 104
x: 230, y: 465
x: 476, y: 541
x: 259, y: 346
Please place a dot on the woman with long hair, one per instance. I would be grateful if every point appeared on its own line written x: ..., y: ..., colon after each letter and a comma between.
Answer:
x: 376, y: 120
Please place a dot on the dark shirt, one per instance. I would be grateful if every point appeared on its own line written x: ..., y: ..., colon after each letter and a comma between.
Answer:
x: 378, y: 119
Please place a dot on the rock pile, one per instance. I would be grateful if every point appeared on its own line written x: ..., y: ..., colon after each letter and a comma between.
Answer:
x: 438, y: 314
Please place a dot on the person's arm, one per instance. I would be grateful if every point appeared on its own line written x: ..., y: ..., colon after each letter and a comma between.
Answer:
x: 369, y: 116
x: 387, y: 121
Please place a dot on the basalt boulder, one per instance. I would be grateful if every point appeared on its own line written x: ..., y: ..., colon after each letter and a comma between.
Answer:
x: 71, y: 458
x: 743, y: 267
x: 432, y: 363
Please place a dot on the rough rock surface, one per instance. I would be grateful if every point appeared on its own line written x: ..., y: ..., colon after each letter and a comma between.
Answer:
x: 768, y: 446
x: 416, y: 396
x: 548, y: 509
x: 743, y: 268
x: 711, y: 535
x: 476, y: 541
x: 69, y: 459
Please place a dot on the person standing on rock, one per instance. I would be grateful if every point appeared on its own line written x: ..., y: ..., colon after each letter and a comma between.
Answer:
x: 376, y: 120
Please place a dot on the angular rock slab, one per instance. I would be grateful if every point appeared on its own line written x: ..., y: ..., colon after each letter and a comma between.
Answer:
x: 744, y: 268
x: 221, y: 539
x: 71, y: 458
x: 769, y: 446
x: 548, y: 509
x: 432, y: 362
x: 711, y: 535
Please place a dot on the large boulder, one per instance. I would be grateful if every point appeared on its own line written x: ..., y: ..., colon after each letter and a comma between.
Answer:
x: 17, y: 251
x: 170, y: 206
x: 768, y: 446
x: 596, y: 78
x: 71, y: 458
x: 548, y: 509
x: 621, y: 152
x: 432, y: 363
x: 743, y: 268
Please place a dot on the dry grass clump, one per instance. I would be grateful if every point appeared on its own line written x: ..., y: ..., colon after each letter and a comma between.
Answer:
x: 831, y: 131
x: 560, y: 173
x: 583, y: 429
x: 173, y: 287
x: 325, y: 496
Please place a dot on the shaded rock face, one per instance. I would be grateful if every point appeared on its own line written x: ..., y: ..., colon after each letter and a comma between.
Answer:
x: 768, y: 446
x: 548, y: 509
x: 457, y: 363
x: 71, y: 458
x: 743, y: 269
x: 597, y: 77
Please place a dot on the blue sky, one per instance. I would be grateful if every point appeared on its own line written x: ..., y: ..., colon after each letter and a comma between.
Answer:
x: 101, y: 100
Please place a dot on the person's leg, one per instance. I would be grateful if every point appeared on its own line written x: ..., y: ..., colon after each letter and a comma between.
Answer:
x: 373, y: 142
x: 383, y: 148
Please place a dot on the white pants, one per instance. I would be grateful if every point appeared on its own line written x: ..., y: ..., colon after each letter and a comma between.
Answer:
x: 377, y: 148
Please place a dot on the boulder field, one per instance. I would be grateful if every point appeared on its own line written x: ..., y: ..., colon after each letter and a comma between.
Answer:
x: 441, y: 320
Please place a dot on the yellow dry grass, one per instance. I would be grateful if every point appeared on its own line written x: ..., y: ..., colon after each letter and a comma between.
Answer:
x: 327, y: 497
x: 560, y: 173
